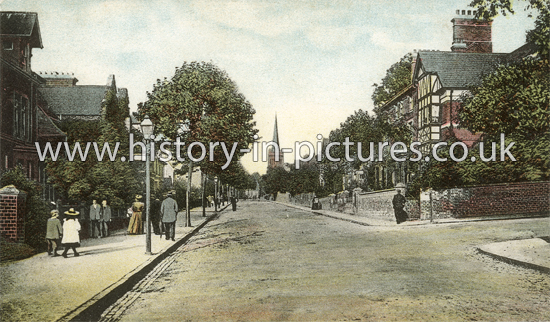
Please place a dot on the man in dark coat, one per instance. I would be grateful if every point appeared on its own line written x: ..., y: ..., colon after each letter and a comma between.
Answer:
x: 95, y: 218
x: 398, y: 204
x: 105, y: 220
x: 233, y: 203
x: 169, y: 212
x: 155, y: 216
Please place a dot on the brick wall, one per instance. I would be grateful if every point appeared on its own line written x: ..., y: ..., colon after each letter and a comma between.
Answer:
x: 377, y: 205
x: 12, y: 213
x: 492, y: 200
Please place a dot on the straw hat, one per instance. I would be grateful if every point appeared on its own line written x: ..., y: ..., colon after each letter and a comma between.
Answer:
x: 72, y: 212
x: 138, y: 197
x: 54, y: 213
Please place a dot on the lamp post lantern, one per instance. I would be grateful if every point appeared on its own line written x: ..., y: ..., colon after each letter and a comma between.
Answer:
x: 147, y: 130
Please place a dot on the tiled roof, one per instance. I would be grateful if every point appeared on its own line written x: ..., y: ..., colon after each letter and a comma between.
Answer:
x: 21, y: 24
x: 459, y: 70
x: 75, y: 100
x: 46, y: 127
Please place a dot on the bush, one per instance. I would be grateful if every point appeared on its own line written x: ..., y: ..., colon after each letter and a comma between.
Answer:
x: 195, y: 197
x: 37, y: 210
x: 14, y: 251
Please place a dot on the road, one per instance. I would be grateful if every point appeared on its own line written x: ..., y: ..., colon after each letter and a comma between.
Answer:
x: 268, y: 262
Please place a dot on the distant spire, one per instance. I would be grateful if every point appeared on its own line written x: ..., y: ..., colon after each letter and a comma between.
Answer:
x: 276, y: 132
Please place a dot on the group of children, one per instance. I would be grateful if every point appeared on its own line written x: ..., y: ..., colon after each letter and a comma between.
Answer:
x: 68, y: 233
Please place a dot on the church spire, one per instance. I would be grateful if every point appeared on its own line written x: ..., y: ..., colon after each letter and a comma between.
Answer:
x: 276, y: 132
x: 276, y: 158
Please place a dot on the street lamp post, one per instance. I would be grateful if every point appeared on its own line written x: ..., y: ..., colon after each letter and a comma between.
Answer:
x: 184, y: 127
x: 187, y: 208
x: 203, y: 197
x: 147, y: 130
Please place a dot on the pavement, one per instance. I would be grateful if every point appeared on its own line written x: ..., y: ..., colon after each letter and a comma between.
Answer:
x: 46, y: 288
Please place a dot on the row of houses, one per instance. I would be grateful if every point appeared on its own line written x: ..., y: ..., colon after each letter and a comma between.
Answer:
x: 438, y: 80
x: 429, y: 105
x: 35, y: 103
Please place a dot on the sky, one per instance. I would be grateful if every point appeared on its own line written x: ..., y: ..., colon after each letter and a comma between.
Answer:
x: 311, y: 63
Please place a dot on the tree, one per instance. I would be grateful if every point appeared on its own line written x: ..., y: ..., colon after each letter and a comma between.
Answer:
x: 235, y: 176
x: 204, y: 95
x: 398, y: 77
x: 539, y: 36
x: 363, y: 128
x: 94, y: 179
x: 276, y: 180
x: 512, y: 100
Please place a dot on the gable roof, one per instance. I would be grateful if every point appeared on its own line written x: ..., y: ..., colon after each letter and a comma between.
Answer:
x: 47, y: 128
x: 458, y: 70
x: 21, y: 24
x: 75, y: 100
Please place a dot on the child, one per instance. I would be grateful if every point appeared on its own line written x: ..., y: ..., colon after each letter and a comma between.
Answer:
x: 53, y: 233
x: 71, y: 228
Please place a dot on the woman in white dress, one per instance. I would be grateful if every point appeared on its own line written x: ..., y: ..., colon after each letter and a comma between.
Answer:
x: 71, y: 229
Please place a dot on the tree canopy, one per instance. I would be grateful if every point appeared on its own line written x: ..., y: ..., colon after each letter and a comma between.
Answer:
x: 398, y: 77
x: 94, y: 179
x: 539, y: 36
x: 210, y: 101
x: 512, y: 100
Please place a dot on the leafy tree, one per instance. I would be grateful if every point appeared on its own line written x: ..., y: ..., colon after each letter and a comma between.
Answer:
x: 305, y: 179
x: 397, y: 78
x: 204, y: 95
x: 512, y: 100
x: 363, y: 128
x: 276, y: 180
x: 539, y: 36
x: 235, y: 175
x: 93, y: 179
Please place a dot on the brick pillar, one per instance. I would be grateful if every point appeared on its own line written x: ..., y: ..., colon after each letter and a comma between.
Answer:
x: 12, y: 213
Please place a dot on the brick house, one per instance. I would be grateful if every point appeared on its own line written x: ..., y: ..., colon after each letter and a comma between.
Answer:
x: 25, y: 116
x: 439, y: 78
x: 71, y: 101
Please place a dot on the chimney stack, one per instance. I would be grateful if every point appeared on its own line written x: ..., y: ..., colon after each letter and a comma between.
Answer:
x: 471, y: 35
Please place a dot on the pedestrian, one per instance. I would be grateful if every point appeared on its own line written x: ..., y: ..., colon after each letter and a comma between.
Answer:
x: 234, y: 203
x: 95, y: 218
x: 136, y: 222
x: 71, y: 229
x: 210, y: 200
x: 155, y: 216
x: 54, y: 231
x: 398, y: 204
x: 315, y: 204
x: 169, y: 212
x: 105, y: 218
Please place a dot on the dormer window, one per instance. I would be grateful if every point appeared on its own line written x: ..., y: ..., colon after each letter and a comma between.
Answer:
x: 7, y: 45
